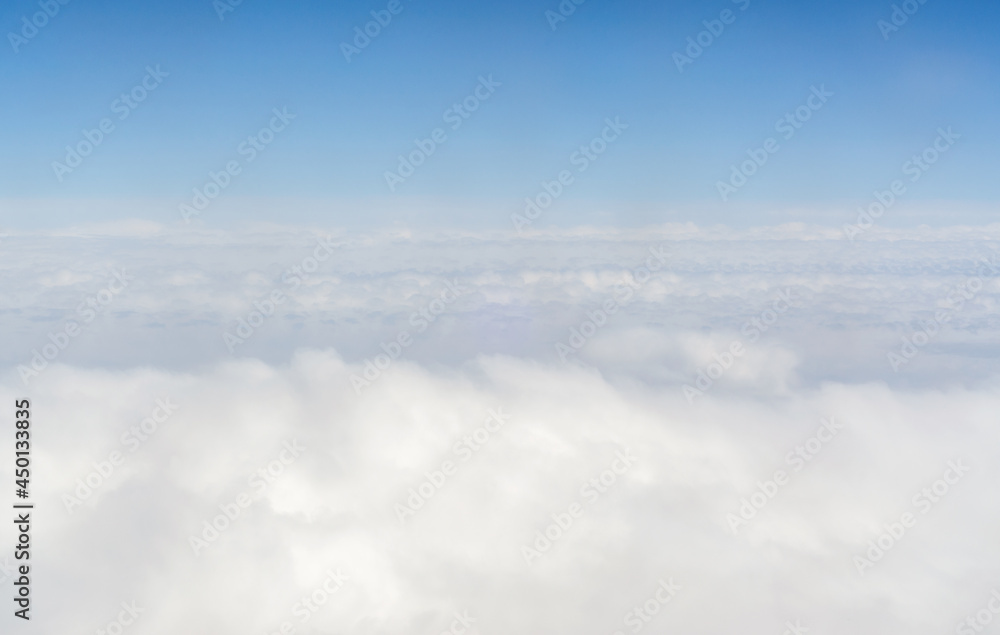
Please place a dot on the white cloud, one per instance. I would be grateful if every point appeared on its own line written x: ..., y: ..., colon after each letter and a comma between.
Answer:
x: 666, y: 517
x: 191, y: 286
x: 493, y: 347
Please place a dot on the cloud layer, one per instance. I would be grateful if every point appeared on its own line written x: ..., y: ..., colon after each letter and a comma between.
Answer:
x: 339, y: 468
x: 853, y: 301
x: 690, y: 429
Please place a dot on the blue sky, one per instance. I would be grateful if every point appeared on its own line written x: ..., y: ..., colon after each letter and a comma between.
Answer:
x: 608, y: 59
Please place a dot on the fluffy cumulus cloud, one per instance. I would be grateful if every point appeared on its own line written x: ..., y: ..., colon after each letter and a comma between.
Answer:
x: 679, y: 429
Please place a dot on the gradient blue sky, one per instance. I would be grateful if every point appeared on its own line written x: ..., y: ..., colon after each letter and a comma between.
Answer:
x: 610, y: 58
